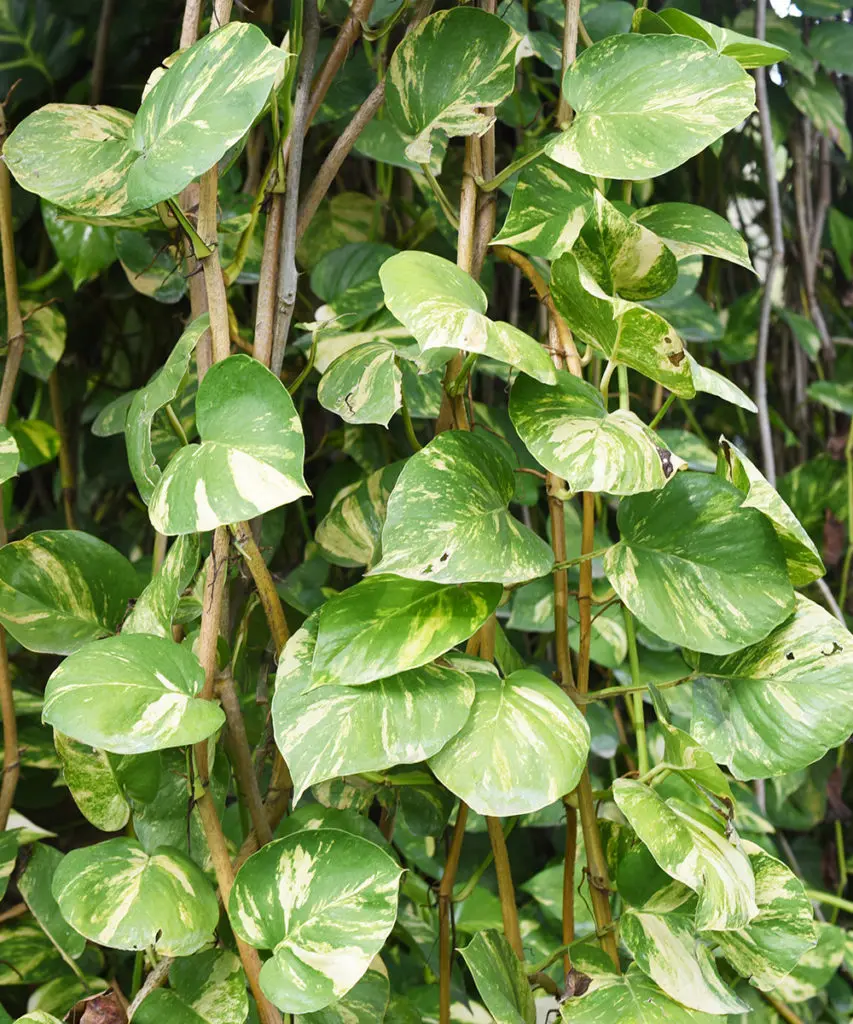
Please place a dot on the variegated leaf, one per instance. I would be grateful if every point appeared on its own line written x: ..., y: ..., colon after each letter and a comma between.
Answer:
x: 364, y: 385
x: 385, y: 625
x: 201, y: 106
x: 27, y: 955
x: 60, y: 589
x: 548, y: 208
x: 83, y: 250
x: 453, y: 63
x: 8, y: 858
x: 774, y: 942
x: 347, y: 280
x: 36, y: 1017
x: 500, y: 978
x: 327, y: 731
x: 624, y: 258
x: 746, y: 50
x: 692, y: 847
x: 780, y: 704
x: 117, y: 895
x: 366, y: 1003
x: 131, y: 694
x: 448, y: 518
x: 151, y: 262
x: 159, y: 392
x: 698, y: 569
x: 45, y: 331
x: 93, y: 784
x: 679, y: 748
x: 712, y: 383
x: 815, y: 967
x: 8, y: 456
x: 516, y: 726
x: 662, y: 937
x: 250, y: 457
x: 623, y: 331
x: 631, y: 998
x: 804, y: 562
x: 157, y: 605
x: 645, y: 104
x: 34, y: 886
x: 350, y: 533
x: 208, y: 988
x: 445, y: 308
x: 77, y: 157
x: 568, y: 430
x: 689, y: 230
x: 324, y: 902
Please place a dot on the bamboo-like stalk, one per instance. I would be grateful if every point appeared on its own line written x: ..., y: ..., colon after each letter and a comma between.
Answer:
x: 445, y: 909
x: 66, y: 463
x: 506, y: 889
x: 270, y: 601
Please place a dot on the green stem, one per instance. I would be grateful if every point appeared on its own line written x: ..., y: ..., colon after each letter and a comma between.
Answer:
x: 441, y: 197
x: 46, y: 279
x: 664, y: 409
x: 611, y: 692
x: 457, y: 386
x: 604, y: 386
x: 200, y: 248
x: 309, y: 366
x: 830, y: 900
x: 694, y: 423
x: 581, y: 558
x: 509, y: 170
x: 136, y: 983
x: 175, y: 423
x: 636, y: 699
x: 845, y: 572
x: 624, y: 393
x: 408, y: 426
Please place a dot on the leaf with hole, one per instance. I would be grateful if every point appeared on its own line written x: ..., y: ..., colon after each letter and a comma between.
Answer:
x: 364, y: 385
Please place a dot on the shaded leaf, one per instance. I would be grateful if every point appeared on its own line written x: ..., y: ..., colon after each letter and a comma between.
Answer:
x: 500, y: 978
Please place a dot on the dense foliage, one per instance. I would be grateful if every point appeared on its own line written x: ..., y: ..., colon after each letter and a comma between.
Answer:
x: 426, y: 441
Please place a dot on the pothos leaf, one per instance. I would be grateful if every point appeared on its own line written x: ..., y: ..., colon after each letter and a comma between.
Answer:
x: 351, y: 532
x: 92, y: 782
x: 364, y: 385
x: 689, y: 229
x: 8, y: 456
x: 324, y: 902
x: 157, y: 605
x: 35, y: 888
x: 500, y: 978
x: 207, y: 988
x: 453, y: 63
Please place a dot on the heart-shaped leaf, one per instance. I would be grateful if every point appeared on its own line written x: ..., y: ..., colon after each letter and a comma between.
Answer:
x: 59, y: 589
x: 781, y: 704
x: 693, y: 848
x: 516, y: 725
x: 208, y: 988
x: 747, y: 51
x: 250, y: 457
x: 453, y: 63
x: 117, y: 895
x: 831, y: 42
x: 645, y: 104
x: 146, y: 402
x: 350, y: 534
x: 804, y: 562
x: 500, y: 978
x: 93, y: 784
x: 35, y: 888
x: 568, y: 430
x: 816, y: 966
x: 623, y: 331
x: 347, y: 280
x: 448, y: 518
x: 342, y: 730
x: 385, y: 625
x: 131, y: 694
x: 548, y: 208
x: 323, y: 901
x: 364, y: 385
x: 698, y: 569
x: 155, y: 610
x: 445, y: 308
x: 690, y: 229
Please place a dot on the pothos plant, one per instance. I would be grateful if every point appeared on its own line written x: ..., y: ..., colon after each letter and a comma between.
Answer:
x: 419, y: 631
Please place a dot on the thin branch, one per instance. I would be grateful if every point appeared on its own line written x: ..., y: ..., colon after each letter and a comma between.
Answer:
x: 99, y: 63
x: 155, y: 979
x: 570, y: 51
x: 190, y: 24
x: 288, y: 274
x: 268, y: 281
x: 445, y: 909
x: 271, y: 602
x: 66, y: 462
x: 506, y: 889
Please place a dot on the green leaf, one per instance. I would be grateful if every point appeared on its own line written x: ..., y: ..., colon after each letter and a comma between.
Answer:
x: 712, y: 383
x: 693, y: 848
x: 385, y: 625
x: 774, y: 942
x: 803, y: 559
x: 746, y: 50
x: 324, y: 902
x: 343, y: 730
x: 37, y: 1017
x: 83, y: 250
x: 8, y: 858
x: 350, y: 533
x: 152, y: 265
x: 448, y: 520
x: 364, y: 385
x: 816, y: 966
x: 781, y: 704
x: 37, y: 441
x: 631, y: 998
x: 841, y: 236
x: 198, y: 109
x: 157, y: 605
x: 500, y: 978
x: 662, y: 938
x: 453, y: 63
x: 366, y: 1003
x: 45, y: 332
x: 834, y: 395
x: 76, y: 157
x: 517, y: 725
x: 8, y: 456
x: 348, y: 279
x: 624, y: 258
x: 35, y: 888
x: 208, y: 988
x: 131, y: 694
x: 689, y: 230
x: 568, y: 430
x: 804, y: 331
x: 60, y: 589
x: 148, y: 401
x: 822, y: 104
x: 117, y: 895
x: 689, y: 447
x: 27, y: 956
x: 698, y: 569
x: 548, y: 208
x: 623, y: 331
x: 250, y: 457
x: 93, y: 784
x: 645, y: 104
x: 445, y: 308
